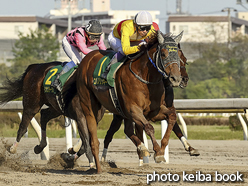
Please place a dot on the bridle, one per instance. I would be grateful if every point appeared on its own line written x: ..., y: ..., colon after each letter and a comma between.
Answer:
x: 158, y: 62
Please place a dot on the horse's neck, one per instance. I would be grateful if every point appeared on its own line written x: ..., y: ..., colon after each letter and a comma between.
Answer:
x: 147, y: 67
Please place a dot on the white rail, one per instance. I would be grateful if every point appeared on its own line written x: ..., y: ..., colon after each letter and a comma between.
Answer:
x: 232, y: 105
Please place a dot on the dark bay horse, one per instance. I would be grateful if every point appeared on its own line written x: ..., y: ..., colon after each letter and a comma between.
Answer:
x: 139, y: 88
x: 30, y: 87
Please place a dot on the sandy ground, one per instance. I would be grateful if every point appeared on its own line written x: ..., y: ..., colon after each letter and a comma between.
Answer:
x: 228, y: 158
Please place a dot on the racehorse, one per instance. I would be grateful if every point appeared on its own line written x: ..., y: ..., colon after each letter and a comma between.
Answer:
x: 139, y: 89
x: 117, y: 119
x: 30, y: 87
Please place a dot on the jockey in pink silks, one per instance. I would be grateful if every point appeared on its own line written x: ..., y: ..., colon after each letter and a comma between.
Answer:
x: 76, y: 43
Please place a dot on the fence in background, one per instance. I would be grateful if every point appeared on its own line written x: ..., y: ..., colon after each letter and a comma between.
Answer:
x: 232, y: 105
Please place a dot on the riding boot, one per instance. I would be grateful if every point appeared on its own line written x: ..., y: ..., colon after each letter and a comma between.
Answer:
x: 56, y: 83
x: 113, y: 61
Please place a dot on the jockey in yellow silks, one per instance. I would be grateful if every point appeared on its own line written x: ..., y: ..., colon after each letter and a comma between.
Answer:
x: 127, y: 35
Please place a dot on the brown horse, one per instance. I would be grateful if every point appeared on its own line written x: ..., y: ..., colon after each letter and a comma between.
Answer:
x: 30, y: 87
x: 117, y: 119
x: 169, y: 97
x: 139, y: 88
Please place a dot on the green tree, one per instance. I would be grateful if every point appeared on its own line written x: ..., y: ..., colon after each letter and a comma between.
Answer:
x: 220, y: 72
x: 39, y: 46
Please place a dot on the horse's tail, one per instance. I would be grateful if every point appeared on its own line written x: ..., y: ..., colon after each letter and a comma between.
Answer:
x: 12, y: 89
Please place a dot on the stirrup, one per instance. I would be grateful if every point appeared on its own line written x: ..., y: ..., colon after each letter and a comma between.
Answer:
x: 56, y: 84
x: 104, y: 74
x: 60, y: 102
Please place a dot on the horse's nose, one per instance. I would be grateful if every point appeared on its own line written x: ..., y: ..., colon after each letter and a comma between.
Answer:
x: 184, y: 82
x: 175, y: 80
x: 185, y: 79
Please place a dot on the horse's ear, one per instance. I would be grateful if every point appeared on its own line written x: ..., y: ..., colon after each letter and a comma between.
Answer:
x: 178, y: 37
x: 160, y: 37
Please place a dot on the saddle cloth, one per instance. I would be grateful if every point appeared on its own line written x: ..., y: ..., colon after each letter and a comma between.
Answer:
x: 52, y: 74
x: 100, y: 68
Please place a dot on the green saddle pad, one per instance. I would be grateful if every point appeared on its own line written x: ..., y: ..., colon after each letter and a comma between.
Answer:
x: 52, y: 74
x: 100, y: 68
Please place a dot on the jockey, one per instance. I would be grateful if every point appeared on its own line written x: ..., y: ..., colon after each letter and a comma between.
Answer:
x: 127, y: 35
x: 76, y: 43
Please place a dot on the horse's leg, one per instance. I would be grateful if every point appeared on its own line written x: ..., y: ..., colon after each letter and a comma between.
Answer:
x: 114, y: 127
x: 85, y: 140
x: 139, y: 134
x: 76, y: 147
x: 86, y: 102
x: 92, y: 127
x: 83, y: 144
x: 169, y: 97
x: 142, y: 151
x: 170, y: 115
x: 187, y: 146
x: 28, y: 114
x: 45, y: 116
x: 139, y: 119
x: 85, y: 147
x: 171, y: 120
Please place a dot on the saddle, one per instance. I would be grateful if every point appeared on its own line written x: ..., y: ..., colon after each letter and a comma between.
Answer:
x: 52, y: 74
x: 100, y: 68
x: 49, y: 78
x: 102, y: 65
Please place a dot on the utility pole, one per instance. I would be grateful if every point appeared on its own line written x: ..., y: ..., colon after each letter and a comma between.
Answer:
x: 69, y: 15
x: 239, y: 2
x: 228, y: 10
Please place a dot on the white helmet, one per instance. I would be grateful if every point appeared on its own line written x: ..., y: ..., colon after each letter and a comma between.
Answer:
x: 143, y: 18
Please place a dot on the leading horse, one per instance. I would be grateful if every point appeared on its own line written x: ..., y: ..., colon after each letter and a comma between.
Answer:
x: 169, y: 97
x: 139, y: 89
x: 128, y: 125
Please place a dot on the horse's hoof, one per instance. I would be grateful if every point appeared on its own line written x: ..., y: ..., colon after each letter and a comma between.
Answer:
x: 92, y: 165
x: 71, y: 151
x: 12, y: 150
x: 194, y: 152
x: 146, y: 159
x: 67, y: 157
x: 103, y: 159
x: 159, y: 159
x: 143, y: 151
x: 38, y: 149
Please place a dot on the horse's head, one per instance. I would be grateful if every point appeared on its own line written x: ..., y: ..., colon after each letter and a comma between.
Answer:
x: 184, y: 74
x: 167, y: 58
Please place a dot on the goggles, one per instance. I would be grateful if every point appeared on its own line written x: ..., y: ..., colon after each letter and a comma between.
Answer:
x: 144, y: 27
x: 94, y: 37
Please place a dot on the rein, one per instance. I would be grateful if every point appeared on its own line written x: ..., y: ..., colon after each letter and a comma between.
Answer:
x: 157, y: 55
x: 138, y: 77
x: 168, y: 43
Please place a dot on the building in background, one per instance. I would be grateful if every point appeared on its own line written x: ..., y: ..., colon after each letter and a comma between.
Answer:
x: 99, y: 9
x: 12, y: 25
x: 196, y: 28
x: 58, y: 22
x: 206, y: 28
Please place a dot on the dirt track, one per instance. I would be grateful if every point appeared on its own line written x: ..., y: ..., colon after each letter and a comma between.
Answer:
x: 26, y: 168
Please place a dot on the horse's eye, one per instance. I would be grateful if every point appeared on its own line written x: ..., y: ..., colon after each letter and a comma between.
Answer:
x: 163, y: 55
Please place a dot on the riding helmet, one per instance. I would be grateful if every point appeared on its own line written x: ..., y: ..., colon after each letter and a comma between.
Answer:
x: 94, y: 27
x: 143, y: 18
